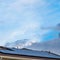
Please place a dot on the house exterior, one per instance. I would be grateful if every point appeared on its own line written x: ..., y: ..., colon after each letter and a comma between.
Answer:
x: 26, y: 54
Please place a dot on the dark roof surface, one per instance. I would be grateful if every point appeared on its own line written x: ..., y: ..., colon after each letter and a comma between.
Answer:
x: 28, y: 52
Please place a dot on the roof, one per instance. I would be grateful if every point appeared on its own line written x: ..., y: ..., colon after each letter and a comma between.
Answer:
x: 5, y: 48
x: 27, y: 52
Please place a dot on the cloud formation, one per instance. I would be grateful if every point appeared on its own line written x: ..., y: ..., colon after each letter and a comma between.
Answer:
x: 52, y: 46
x: 20, y: 19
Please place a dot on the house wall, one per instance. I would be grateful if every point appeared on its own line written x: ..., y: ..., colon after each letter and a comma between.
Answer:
x: 17, y: 57
x: 27, y: 59
x: 44, y: 59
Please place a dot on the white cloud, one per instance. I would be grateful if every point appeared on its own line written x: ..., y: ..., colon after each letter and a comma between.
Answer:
x: 23, y: 14
x: 25, y: 29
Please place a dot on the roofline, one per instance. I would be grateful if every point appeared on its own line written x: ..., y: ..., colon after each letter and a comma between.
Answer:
x: 25, y: 56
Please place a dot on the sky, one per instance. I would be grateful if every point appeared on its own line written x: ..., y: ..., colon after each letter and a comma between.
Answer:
x: 23, y: 19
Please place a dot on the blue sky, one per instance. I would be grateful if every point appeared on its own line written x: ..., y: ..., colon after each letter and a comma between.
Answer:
x: 22, y: 19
